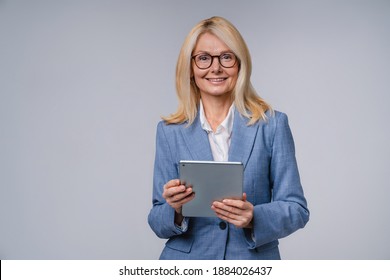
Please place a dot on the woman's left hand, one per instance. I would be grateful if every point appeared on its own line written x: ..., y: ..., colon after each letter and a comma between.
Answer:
x: 238, y: 212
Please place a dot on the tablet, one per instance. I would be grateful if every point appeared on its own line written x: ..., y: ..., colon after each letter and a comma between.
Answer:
x: 210, y: 180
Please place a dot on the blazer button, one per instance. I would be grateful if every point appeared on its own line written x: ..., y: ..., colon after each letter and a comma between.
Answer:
x: 222, y: 225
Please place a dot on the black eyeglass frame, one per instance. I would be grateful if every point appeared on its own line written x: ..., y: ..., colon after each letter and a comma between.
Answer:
x: 212, y: 59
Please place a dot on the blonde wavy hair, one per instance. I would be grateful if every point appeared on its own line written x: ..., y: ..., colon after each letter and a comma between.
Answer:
x: 244, y: 96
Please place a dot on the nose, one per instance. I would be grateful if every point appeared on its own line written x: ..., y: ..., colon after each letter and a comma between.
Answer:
x: 215, y: 65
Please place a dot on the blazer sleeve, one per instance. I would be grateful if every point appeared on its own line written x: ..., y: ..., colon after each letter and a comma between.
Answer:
x: 287, y: 212
x: 161, y: 216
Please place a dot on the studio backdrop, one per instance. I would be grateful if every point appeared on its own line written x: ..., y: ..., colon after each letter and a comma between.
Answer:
x: 84, y: 83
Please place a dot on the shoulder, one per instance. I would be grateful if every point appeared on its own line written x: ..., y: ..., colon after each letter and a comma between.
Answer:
x: 168, y: 130
x: 280, y: 132
x: 163, y: 125
x: 280, y: 119
x: 274, y: 118
x: 276, y: 124
x: 276, y: 115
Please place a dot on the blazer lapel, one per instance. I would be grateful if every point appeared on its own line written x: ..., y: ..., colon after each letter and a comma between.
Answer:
x: 243, y: 138
x: 197, y: 141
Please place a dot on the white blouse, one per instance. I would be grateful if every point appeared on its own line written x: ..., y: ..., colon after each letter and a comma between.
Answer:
x: 220, y: 139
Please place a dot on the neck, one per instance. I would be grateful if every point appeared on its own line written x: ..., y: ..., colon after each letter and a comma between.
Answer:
x: 216, y: 110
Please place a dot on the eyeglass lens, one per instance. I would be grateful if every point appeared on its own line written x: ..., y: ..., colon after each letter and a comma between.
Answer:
x: 204, y: 61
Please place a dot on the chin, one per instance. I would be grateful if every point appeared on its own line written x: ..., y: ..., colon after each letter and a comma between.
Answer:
x: 219, y: 94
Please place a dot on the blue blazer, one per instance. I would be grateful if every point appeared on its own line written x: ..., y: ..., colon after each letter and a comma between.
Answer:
x: 271, y: 181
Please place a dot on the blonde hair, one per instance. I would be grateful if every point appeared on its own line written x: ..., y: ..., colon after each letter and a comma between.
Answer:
x: 245, y: 98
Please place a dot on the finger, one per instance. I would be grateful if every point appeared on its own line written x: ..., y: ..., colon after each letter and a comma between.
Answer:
x: 181, y: 202
x: 172, y: 191
x: 236, y: 216
x: 188, y: 198
x: 235, y: 203
x: 172, y: 183
x: 229, y: 218
x: 226, y: 210
x: 238, y: 221
x: 180, y: 195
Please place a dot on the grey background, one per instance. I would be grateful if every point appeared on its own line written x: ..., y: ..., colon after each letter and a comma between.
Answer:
x: 84, y: 83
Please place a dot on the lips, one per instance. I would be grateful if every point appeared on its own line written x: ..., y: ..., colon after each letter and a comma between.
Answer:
x: 216, y: 80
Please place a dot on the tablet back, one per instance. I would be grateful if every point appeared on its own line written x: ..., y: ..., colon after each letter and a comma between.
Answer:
x: 210, y: 181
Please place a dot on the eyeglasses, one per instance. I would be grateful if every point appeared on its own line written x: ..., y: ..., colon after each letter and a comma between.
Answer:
x: 205, y: 60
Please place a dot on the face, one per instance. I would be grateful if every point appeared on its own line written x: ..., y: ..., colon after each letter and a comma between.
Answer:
x: 215, y: 81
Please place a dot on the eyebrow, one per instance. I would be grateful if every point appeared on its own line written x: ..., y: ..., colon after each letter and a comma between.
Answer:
x: 204, y: 52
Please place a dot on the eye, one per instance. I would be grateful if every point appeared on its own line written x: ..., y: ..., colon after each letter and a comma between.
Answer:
x: 203, y: 58
x: 227, y: 56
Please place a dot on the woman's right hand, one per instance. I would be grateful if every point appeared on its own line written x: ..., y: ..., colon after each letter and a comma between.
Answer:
x: 176, y: 196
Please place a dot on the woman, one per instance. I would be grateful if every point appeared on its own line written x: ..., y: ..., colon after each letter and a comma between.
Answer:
x: 220, y: 117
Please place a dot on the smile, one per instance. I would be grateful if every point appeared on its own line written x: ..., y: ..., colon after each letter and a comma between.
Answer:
x: 216, y: 80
